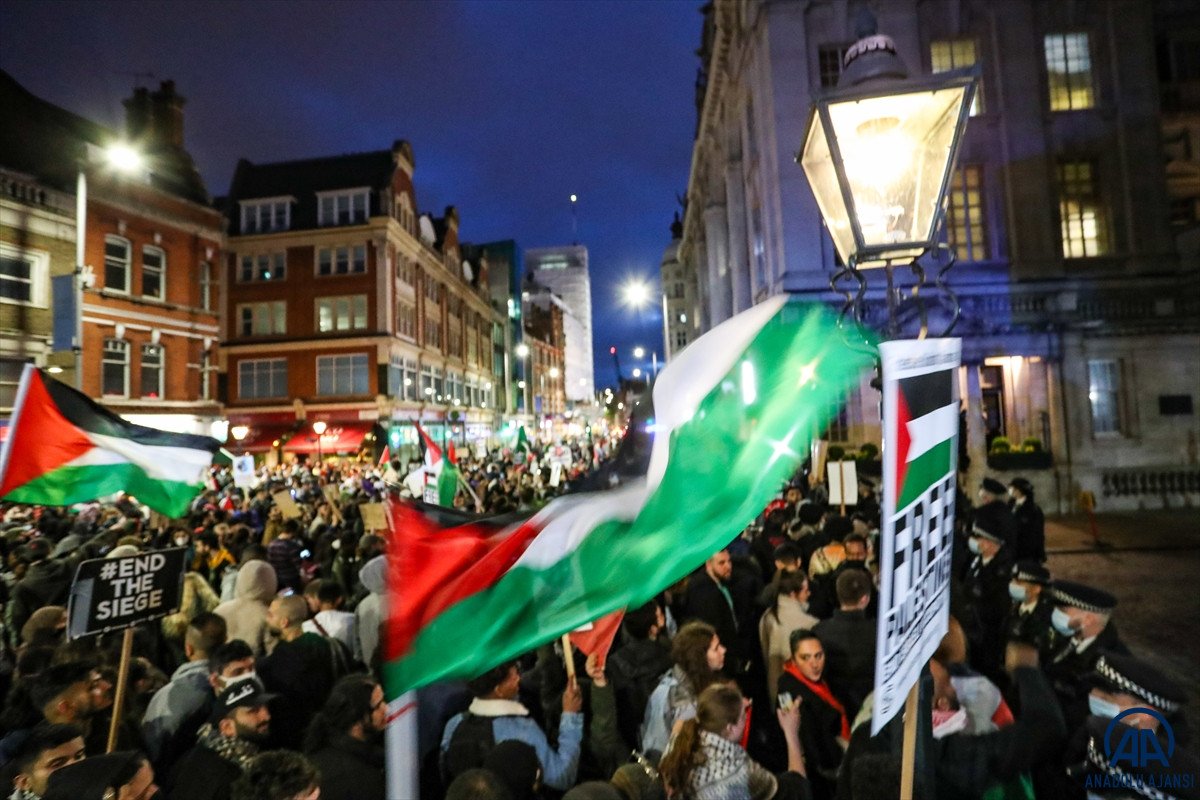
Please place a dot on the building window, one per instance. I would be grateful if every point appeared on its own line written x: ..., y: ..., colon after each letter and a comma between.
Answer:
x: 114, y: 368
x: 404, y: 270
x: 1081, y: 212
x: 681, y: 340
x: 10, y: 379
x: 1069, y: 71
x: 342, y: 260
x: 433, y: 333
x: 265, y: 216
x: 23, y: 276
x: 206, y: 286
x: 343, y: 375
x: 262, y: 378
x: 342, y: 313
x: 950, y: 54
x: 402, y: 378
x: 154, y: 268
x: 343, y: 208
x: 406, y: 320
x: 1104, y: 396
x: 262, y: 319
x: 830, y: 58
x: 263, y: 267
x: 206, y: 370
x: 116, y: 264
x: 152, y: 371
x: 966, y: 228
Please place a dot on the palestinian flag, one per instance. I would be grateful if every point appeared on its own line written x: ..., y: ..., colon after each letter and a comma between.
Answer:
x: 447, y: 480
x: 926, y: 430
x: 522, y: 444
x: 733, y: 415
x: 64, y: 448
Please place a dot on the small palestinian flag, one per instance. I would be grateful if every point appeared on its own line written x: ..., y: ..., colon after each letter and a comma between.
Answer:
x: 64, y: 448
x: 926, y: 430
x: 522, y: 445
x: 732, y: 419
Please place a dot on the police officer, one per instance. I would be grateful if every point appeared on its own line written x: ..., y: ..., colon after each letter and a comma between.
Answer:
x: 986, y: 595
x: 1083, y: 629
x: 992, y: 503
x: 1123, y: 682
x: 1029, y: 617
x: 1105, y: 770
x: 1030, y: 521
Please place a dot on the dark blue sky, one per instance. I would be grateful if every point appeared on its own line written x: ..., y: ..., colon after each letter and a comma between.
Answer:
x: 510, y: 106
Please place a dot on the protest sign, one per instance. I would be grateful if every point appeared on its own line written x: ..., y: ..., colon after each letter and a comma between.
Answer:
x: 243, y: 472
x: 287, y: 505
x: 332, y: 493
x: 920, y: 446
x: 374, y: 516
x: 113, y: 593
x: 843, y: 473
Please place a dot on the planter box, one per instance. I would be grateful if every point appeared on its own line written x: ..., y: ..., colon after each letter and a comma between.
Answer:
x: 1020, y: 461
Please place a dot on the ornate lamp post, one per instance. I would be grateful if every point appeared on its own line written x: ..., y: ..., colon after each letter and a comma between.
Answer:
x: 319, y: 428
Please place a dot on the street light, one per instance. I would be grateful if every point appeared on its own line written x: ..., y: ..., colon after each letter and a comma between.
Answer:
x: 639, y: 352
x: 121, y: 158
x: 878, y: 154
x: 635, y: 292
x: 522, y: 350
x: 239, y: 432
x: 319, y: 430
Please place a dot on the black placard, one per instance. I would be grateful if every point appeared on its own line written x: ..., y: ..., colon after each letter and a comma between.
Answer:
x: 109, y: 594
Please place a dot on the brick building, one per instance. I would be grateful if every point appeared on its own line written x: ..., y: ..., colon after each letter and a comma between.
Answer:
x: 544, y: 315
x: 149, y: 313
x: 343, y: 305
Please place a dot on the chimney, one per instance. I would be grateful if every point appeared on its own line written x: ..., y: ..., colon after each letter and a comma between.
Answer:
x: 137, y: 114
x: 156, y: 119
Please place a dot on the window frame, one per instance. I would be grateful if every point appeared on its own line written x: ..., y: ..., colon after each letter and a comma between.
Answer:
x: 951, y: 62
x: 335, y: 252
x: 1098, y: 208
x: 250, y: 266
x: 256, y: 206
x: 8, y: 388
x: 1070, y: 88
x: 271, y: 372
x: 39, y: 276
x: 161, y: 270
x: 277, y: 312
x: 335, y: 198
x: 958, y: 193
x: 333, y: 361
x: 128, y: 266
x: 353, y: 317
x: 105, y: 361
x: 146, y: 348
x: 1115, y: 393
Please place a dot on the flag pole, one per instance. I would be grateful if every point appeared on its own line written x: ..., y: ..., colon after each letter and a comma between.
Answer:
x: 118, y: 706
x: 842, y: 483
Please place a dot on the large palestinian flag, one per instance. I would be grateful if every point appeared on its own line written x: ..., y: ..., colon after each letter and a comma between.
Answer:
x: 733, y: 415
x: 63, y: 448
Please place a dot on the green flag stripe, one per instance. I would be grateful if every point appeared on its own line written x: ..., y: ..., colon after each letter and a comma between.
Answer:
x: 925, y: 470
x: 67, y: 485
x: 725, y: 465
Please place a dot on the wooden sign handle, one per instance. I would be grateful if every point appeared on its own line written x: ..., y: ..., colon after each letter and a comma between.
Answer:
x: 568, y: 657
x: 908, y: 763
x: 118, y: 708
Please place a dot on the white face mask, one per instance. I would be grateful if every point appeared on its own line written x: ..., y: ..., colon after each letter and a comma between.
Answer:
x: 181, y: 541
x: 973, y: 545
x: 1017, y: 592
x: 1061, y: 621
x: 1102, y: 708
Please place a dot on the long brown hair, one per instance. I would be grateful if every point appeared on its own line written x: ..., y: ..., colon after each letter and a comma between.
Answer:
x: 719, y: 706
x: 689, y: 651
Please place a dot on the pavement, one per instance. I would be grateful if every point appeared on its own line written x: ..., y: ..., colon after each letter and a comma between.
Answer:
x: 1151, y: 561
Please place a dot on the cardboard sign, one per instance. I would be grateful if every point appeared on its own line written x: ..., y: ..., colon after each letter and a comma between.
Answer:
x: 920, y: 446
x: 333, y: 494
x: 113, y: 593
x: 842, y: 473
x: 243, y: 472
x: 287, y: 505
x: 374, y: 516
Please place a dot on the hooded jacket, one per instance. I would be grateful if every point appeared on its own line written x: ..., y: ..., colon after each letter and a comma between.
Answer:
x: 245, y: 615
x: 369, y: 613
x: 45, y: 584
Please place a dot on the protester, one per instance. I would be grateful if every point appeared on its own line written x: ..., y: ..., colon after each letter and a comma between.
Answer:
x: 189, y: 689
x: 125, y: 775
x: 345, y: 740
x: 280, y: 775
x: 246, y: 614
x: 636, y: 666
x: 824, y: 721
x: 698, y: 657
x: 788, y: 613
x: 48, y: 747
x: 849, y: 640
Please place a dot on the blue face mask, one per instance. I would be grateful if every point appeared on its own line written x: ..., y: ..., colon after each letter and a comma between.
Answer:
x: 973, y: 545
x: 1102, y: 708
x: 1017, y: 592
x: 1062, y: 622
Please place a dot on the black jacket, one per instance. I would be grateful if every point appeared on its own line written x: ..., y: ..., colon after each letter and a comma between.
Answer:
x: 706, y: 602
x: 849, y: 640
x: 820, y: 726
x: 350, y: 769
x: 986, y: 610
x: 634, y: 671
x: 45, y: 584
x: 1033, y: 626
x: 1068, y: 670
x: 302, y: 672
x: 201, y: 775
x: 1031, y: 531
x: 968, y: 765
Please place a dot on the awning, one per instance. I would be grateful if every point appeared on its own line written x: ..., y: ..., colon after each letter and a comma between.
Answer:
x: 339, y: 437
x: 260, y: 439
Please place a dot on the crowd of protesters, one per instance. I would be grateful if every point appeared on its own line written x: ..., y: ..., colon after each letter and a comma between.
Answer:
x: 752, y: 678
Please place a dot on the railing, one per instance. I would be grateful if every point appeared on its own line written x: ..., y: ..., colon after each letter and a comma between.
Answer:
x: 29, y: 192
x: 1150, y: 481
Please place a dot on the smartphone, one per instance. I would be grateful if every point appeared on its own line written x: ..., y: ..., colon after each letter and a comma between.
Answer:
x: 306, y: 554
x: 785, y: 700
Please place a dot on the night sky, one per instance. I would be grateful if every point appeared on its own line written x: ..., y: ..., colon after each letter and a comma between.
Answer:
x: 510, y: 107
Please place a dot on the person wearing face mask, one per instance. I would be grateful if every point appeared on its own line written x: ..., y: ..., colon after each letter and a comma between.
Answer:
x: 1029, y: 617
x: 1094, y: 776
x: 345, y: 740
x: 1121, y: 682
x: 985, y: 592
x: 1082, y: 621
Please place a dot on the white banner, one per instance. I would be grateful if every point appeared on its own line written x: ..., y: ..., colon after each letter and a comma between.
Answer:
x: 243, y: 472
x: 920, y: 459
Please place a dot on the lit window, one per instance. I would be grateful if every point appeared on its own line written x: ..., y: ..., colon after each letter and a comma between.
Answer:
x: 114, y: 368
x: 1069, y: 71
x: 950, y: 54
x: 154, y: 267
x: 966, y: 229
x: 1104, y: 387
x: 116, y: 264
x: 1081, y: 212
x: 342, y: 313
x: 152, y: 371
x: 262, y: 319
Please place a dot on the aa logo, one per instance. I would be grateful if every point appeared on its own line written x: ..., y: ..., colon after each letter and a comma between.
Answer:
x: 1138, y: 747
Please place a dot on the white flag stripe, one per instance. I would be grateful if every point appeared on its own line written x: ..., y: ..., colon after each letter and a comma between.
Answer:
x: 569, y: 521
x: 927, y: 432
x: 160, y: 462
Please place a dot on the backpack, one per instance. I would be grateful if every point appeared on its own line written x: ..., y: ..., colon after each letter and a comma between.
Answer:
x: 655, y: 734
x: 473, y: 739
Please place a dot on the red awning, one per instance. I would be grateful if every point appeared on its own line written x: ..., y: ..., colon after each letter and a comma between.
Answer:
x: 260, y: 439
x: 339, y: 437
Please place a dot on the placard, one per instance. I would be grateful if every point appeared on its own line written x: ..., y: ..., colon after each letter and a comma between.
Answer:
x: 287, y: 505
x: 333, y: 494
x: 374, y: 516
x: 243, y: 472
x: 113, y: 593
x: 842, y: 472
x: 920, y: 447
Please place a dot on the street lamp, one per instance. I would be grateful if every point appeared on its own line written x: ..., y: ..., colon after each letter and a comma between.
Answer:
x: 319, y: 429
x: 639, y: 352
x: 878, y: 154
x: 239, y: 432
x: 635, y: 292
x: 120, y: 158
